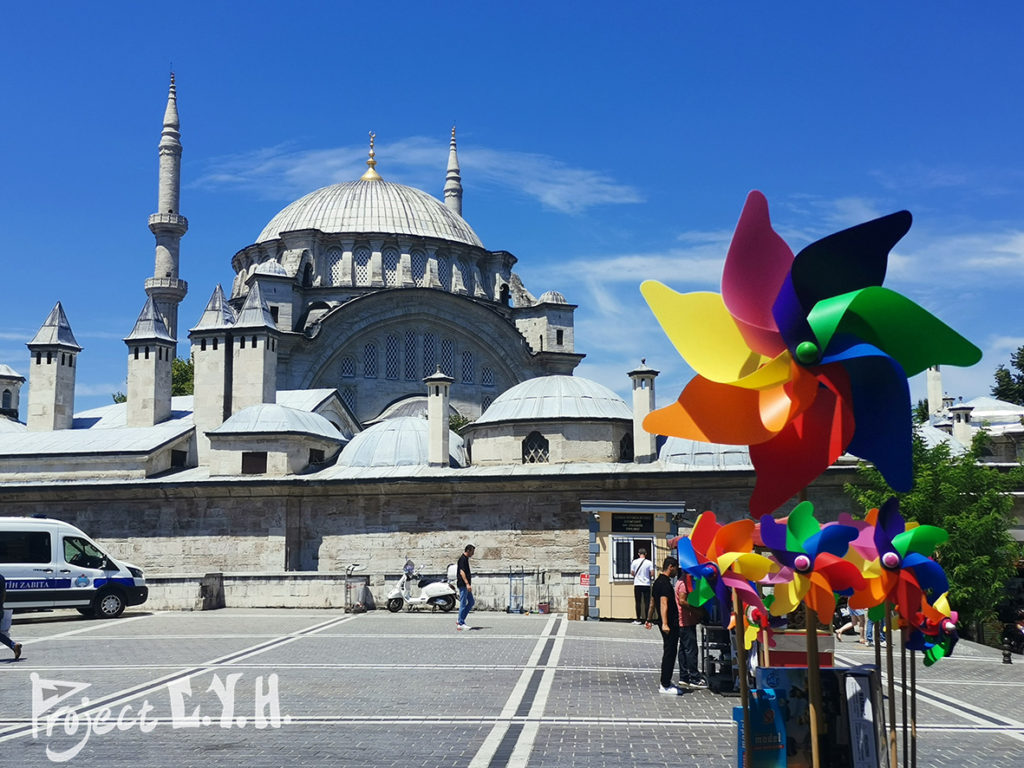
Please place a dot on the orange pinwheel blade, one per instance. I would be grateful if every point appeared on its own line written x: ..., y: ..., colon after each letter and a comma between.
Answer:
x: 712, y: 413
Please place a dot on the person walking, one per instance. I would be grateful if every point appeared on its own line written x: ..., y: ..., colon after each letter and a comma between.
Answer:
x: 5, y: 621
x: 689, y: 617
x: 665, y: 603
x: 642, y: 571
x: 465, y: 584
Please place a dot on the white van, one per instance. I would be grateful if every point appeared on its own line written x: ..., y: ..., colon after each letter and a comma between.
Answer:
x: 51, y: 564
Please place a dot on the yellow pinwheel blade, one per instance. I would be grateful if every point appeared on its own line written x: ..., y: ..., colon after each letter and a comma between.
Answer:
x: 702, y: 331
x: 788, y: 595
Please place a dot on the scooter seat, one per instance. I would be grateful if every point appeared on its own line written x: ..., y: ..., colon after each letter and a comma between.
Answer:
x: 426, y: 581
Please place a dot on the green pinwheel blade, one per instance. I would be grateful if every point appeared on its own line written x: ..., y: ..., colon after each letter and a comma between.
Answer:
x: 876, y: 612
x: 800, y: 526
x: 705, y: 591
x: 923, y: 540
x: 910, y: 334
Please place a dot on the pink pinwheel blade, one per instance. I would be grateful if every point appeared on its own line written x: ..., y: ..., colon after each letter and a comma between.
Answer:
x: 757, y: 263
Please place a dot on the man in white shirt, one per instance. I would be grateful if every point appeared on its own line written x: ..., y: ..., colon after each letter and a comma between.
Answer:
x: 642, y: 571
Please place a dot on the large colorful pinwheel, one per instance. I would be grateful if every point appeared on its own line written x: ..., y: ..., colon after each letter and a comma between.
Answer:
x: 720, y: 558
x: 811, y: 556
x: 903, y: 572
x: 802, y: 358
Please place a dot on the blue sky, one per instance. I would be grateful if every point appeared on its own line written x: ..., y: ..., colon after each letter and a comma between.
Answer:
x: 601, y: 143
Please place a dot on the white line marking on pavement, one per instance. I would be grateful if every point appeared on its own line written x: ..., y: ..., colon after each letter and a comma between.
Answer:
x: 485, y: 754
x: 90, y: 628
x: 524, y: 745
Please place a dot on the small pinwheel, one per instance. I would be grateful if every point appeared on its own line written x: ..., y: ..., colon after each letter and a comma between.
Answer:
x: 721, y: 558
x: 903, y: 572
x: 802, y: 358
x: 812, y: 562
x: 936, y: 633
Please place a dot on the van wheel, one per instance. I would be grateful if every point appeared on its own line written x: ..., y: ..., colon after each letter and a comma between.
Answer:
x: 108, y: 604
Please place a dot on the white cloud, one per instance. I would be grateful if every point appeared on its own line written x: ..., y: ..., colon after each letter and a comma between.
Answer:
x: 284, y: 172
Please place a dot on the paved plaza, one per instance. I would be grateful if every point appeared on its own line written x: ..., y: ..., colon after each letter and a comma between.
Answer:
x: 308, y: 688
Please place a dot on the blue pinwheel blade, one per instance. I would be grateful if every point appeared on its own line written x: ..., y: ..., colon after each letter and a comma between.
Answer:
x: 848, y: 260
x: 790, y: 316
x: 929, y: 574
x: 724, y: 595
x: 883, y: 432
x: 834, y: 539
x: 687, y: 556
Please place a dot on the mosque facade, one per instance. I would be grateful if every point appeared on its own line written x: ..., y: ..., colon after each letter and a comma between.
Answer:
x: 363, y: 318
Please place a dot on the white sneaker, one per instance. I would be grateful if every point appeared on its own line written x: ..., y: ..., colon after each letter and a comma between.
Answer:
x: 671, y: 690
x: 464, y: 626
x: 637, y: 623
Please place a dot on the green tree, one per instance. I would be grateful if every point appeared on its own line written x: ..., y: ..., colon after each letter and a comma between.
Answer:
x: 120, y: 397
x: 182, y: 376
x: 973, y: 503
x: 1009, y: 384
x: 921, y: 412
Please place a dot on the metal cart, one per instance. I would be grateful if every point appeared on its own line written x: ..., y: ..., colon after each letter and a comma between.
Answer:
x: 356, y: 588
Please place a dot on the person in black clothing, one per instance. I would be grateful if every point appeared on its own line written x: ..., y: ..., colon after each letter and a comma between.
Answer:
x: 465, y: 584
x: 665, y: 603
x: 5, y: 622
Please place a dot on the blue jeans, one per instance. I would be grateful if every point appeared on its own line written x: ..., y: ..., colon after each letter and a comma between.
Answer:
x: 466, y: 603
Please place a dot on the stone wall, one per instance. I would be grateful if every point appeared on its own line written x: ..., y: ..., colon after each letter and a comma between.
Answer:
x: 259, y: 526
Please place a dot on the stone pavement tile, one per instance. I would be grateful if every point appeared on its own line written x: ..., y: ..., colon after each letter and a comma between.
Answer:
x: 615, y: 746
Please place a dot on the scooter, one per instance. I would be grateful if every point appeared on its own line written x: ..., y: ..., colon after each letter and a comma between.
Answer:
x: 439, y: 593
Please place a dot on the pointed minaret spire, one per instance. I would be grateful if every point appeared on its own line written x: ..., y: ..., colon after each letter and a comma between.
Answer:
x: 167, y: 224
x: 371, y: 172
x: 453, y: 181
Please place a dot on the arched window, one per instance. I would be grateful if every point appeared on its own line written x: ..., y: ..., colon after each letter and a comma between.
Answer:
x: 418, y: 261
x: 5, y: 403
x: 361, y: 263
x: 467, y: 367
x: 348, y: 397
x: 448, y: 357
x: 348, y: 367
x: 391, y: 357
x: 334, y: 257
x: 486, y: 402
x: 370, y: 361
x: 410, y: 356
x: 390, y: 258
x: 535, y: 449
x: 626, y: 447
x: 307, y: 274
x: 444, y: 271
x: 487, y: 376
x: 428, y: 354
x: 467, y: 275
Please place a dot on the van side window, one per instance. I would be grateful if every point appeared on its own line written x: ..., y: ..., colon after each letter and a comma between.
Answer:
x: 78, y: 551
x: 25, y: 547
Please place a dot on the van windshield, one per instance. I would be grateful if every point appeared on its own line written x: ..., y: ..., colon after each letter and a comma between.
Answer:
x: 84, y: 554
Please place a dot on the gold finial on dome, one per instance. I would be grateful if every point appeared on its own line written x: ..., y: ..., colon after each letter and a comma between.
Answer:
x: 371, y: 174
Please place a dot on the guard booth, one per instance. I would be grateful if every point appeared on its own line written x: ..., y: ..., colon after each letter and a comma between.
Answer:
x: 618, y: 530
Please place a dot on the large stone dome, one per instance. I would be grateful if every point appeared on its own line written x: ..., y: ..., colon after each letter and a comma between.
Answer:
x: 371, y: 206
x: 556, y: 397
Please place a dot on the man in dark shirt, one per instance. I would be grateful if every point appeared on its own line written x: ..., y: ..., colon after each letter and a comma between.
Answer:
x: 465, y: 584
x: 664, y: 600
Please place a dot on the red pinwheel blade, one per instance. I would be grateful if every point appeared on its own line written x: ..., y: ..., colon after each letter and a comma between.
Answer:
x: 757, y: 263
x: 733, y: 537
x: 840, y: 574
x: 703, y: 533
x: 848, y: 260
x: 802, y: 451
x: 712, y: 412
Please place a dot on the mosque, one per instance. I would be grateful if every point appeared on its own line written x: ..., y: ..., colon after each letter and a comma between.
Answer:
x: 365, y: 320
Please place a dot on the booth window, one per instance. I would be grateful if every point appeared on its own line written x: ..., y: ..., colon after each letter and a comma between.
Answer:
x: 623, y: 552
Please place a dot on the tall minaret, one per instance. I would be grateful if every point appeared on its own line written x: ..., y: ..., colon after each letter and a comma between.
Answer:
x: 453, y: 182
x: 167, y: 224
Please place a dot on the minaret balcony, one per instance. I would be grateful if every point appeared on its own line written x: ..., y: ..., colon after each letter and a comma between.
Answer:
x: 168, y: 222
x: 166, y: 288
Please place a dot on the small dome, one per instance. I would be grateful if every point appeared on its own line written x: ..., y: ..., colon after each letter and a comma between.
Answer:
x: 371, y: 207
x: 699, y: 455
x: 552, y: 297
x: 271, y: 267
x: 397, y: 442
x: 9, y: 373
x: 270, y: 418
x: 556, y: 397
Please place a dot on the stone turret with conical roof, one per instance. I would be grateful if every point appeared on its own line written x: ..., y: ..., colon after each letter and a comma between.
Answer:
x: 10, y: 391
x: 51, y: 392
x: 254, y: 356
x: 453, y: 181
x: 212, y: 358
x: 645, y: 448
x: 167, y: 224
x: 150, y: 356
